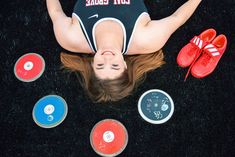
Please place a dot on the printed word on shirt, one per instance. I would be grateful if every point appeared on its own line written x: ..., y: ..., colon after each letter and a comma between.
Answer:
x: 106, y: 2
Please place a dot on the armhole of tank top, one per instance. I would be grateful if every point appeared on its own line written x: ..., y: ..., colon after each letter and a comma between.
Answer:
x: 122, y: 26
x: 84, y: 31
x: 143, y: 13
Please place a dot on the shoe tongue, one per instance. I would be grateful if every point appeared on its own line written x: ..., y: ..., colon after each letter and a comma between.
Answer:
x: 211, y: 50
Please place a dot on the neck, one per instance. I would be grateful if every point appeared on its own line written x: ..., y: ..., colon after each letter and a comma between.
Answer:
x: 109, y: 36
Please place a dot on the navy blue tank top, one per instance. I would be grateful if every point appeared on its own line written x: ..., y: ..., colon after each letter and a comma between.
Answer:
x: 125, y: 12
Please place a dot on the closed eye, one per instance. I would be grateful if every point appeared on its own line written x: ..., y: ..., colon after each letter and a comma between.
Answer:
x: 100, y: 66
x: 115, y: 65
x: 111, y: 68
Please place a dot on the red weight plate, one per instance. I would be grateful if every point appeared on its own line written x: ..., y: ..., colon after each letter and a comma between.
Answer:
x: 29, y: 67
x: 109, y: 137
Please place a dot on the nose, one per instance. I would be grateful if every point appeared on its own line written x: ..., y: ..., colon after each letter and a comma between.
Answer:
x: 108, y: 57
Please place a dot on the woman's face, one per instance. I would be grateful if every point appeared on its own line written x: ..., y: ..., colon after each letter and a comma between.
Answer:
x: 108, y: 64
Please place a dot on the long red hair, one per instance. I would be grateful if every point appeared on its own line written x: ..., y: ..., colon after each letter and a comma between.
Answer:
x: 112, y: 90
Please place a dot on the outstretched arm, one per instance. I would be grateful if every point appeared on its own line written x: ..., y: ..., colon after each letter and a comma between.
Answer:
x: 68, y: 35
x: 159, y: 31
x: 55, y: 10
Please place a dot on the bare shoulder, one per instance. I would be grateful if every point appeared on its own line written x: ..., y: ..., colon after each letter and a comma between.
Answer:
x: 70, y: 36
x: 151, y: 35
x: 77, y: 35
x: 138, y: 40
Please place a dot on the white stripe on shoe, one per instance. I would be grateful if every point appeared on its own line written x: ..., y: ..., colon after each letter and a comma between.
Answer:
x: 212, y: 49
x: 197, y: 41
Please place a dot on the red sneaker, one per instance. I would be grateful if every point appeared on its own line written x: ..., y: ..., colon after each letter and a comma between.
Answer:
x: 192, y: 50
x: 210, y: 57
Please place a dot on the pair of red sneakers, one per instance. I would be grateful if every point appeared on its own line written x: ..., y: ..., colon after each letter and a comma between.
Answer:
x: 202, y: 53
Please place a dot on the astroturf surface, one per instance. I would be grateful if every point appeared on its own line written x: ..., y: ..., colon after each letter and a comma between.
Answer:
x: 201, y: 125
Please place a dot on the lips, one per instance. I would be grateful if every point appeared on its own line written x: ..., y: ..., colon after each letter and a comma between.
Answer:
x: 108, y: 53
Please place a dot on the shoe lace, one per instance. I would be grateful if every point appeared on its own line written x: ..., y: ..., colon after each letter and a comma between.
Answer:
x: 198, y: 53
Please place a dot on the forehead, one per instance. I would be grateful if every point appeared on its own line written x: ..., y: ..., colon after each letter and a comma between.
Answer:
x: 108, y: 73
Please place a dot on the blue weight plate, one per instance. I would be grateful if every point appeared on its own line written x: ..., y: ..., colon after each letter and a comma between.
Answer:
x: 50, y: 111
